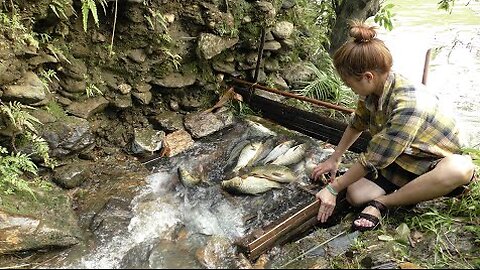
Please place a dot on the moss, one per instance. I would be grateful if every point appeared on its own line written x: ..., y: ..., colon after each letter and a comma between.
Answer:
x: 47, y: 197
x: 55, y: 109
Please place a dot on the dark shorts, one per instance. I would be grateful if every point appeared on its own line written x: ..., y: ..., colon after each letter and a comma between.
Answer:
x: 390, y: 187
x: 386, y: 184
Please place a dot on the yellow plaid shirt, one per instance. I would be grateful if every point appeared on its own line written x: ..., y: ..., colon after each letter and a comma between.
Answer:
x: 408, y: 127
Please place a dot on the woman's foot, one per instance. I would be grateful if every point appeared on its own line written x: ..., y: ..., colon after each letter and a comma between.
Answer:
x: 369, y: 218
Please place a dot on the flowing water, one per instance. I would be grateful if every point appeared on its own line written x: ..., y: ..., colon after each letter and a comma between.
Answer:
x: 454, y: 70
x: 176, y: 226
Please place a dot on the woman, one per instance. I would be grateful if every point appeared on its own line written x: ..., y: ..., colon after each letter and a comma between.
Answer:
x: 414, y: 154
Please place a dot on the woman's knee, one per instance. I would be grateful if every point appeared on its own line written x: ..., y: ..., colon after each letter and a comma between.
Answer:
x: 353, y: 198
x: 459, y: 168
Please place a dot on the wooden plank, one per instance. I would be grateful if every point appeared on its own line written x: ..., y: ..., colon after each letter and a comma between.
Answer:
x: 290, y: 226
x: 311, y: 124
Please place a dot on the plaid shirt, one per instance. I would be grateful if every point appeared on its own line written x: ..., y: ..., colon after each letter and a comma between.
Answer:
x: 408, y: 127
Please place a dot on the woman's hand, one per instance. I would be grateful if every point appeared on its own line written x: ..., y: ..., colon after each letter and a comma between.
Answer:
x: 328, y: 166
x: 327, y: 204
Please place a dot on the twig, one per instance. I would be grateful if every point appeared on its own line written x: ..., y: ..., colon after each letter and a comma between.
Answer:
x: 456, y: 250
x: 16, y: 266
x: 114, y: 25
x: 315, y: 247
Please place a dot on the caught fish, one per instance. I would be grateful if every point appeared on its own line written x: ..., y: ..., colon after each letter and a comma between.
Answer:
x: 292, y: 156
x: 278, y: 173
x: 248, y: 155
x: 187, y: 178
x: 261, y: 128
x: 278, y: 150
x: 249, y: 185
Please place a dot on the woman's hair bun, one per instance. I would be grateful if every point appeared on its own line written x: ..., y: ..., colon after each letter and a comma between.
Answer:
x: 362, y: 32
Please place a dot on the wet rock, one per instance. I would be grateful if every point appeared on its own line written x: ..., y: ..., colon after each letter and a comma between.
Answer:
x: 121, y: 101
x: 43, y: 116
x: 177, y: 142
x: 203, y: 124
x: 137, y: 55
x: 176, y: 80
x: 265, y: 12
x: 125, y: 88
x: 73, y: 86
x: 272, y: 65
x: 144, y: 97
x: 272, y: 46
x: 279, y: 82
x: 287, y: 4
x: 75, y: 70
x: 147, y: 140
x: 282, y: 30
x: 142, y: 87
x: 115, y: 214
x: 296, y: 73
x: 72, y: 175
x: 43, y: 223
x: 42, y: 59
x: 224, y: 67
x: 210, y: 45
x: 85, y: 109
x: 190, y: 102
x: 29, y: 89
x: 68, y: 136
x: 168, y: 121
x: 137, y: 257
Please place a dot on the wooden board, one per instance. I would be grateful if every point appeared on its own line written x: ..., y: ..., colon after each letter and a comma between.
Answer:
x: 311, y: 124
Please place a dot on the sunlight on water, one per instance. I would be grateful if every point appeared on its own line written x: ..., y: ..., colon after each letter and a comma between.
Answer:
x: 455, y: 64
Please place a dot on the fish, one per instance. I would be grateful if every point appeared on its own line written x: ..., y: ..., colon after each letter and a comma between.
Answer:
x: 248, y: 155
x: 292, y: 155
x: 187, y: 178
x: 249, y: 184
x: 278, y: 150
x: 278, y: 173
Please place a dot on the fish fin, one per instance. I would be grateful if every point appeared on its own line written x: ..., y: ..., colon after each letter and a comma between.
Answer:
x: 277, y: 174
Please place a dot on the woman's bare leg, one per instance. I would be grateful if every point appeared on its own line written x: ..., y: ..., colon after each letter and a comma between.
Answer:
x: 363, y: 191
x: 450, y: 173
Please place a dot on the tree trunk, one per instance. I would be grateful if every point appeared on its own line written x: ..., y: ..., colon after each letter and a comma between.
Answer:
x: 348, y: 10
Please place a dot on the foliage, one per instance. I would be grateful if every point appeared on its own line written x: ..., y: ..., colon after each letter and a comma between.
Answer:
x: 92, y: 90
x: 312, y: 20
x: 174, y: 59
x: 446, y: 5
x: 59, y: 7
x: 17, y: 118
x: 90, y: 6
x: 46, y: 77
x: 384, y: 17
x: 13, y: 165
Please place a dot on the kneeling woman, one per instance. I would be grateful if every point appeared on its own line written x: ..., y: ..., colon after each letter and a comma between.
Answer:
x: 415, y: 152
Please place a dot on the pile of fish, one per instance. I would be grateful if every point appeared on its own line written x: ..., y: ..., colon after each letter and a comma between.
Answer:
x: 265, y: 172
x: 257, y: 165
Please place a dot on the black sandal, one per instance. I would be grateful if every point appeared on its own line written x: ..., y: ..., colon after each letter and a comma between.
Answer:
x: 375, y: 220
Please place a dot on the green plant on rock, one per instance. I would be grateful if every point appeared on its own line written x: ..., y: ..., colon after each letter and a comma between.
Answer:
x: 46, y: 77
x: 12, y: 167
x: 59, y: 7
x: 174, y: 59
x: 92, y: 90
x: 90, y: 6
x: 17, y: 121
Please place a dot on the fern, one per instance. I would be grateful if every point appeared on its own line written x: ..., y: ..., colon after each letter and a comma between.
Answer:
x: 87, y: 7
x: 18, y: 118
x: 12, y: 166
